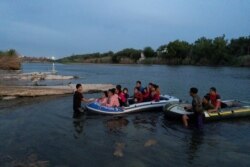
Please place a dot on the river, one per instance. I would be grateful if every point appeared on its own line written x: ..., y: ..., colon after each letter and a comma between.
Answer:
x: 41, y: 130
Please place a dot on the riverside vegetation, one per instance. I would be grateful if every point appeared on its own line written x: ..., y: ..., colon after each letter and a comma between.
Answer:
x: 204, y: 51
x: 9, y: 60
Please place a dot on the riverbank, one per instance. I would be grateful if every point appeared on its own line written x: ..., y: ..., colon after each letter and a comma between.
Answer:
x: 241, y: 61
x: 9, y: 60
x: 218, y: 51
x: 10, y: 92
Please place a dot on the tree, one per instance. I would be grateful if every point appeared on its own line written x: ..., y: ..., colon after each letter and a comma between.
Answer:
x: 126, y: 53
x: 202, y: 49
x: 149, y: 52
x: 178, y: 49
x: 240, y: 46
x: 12, y: 52
x: 162, y: 51
x: 220, y: 52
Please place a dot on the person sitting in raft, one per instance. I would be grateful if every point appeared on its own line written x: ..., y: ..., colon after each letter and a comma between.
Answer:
x: 126, y: 95
x: 104, y: 99
x: 150, y: 85
x: 215, y: 100
x: 112, y: 99
x: 145, y: 94
x: 196, y: 108
x: 138, y: 85
x: 206, y: 104
x: 78, y: 98
x: 158, y: 90
x: 138, y: 97
x: 155, y: 96
x: 121, y: 96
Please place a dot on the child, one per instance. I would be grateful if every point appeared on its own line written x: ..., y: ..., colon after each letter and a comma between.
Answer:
x: 113, y: 100
x: 126, y: 95
x: 145, y: 94
x: 138, y: 97
x: 121, y: 96
x: 155, y: 96
x: 104, y: 99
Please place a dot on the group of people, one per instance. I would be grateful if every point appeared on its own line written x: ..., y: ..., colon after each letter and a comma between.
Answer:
x: 118, y: 97
x: 211, y: 102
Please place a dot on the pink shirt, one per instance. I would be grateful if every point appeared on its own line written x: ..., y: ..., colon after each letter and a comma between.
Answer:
x: 103, y: 101
x: 113, y: 101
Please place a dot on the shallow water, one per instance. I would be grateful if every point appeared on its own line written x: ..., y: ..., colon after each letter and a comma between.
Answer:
x: 42, y: 130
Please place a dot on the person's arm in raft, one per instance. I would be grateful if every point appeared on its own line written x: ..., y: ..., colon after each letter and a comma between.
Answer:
x: 88, y: 100
x: 217, y: 107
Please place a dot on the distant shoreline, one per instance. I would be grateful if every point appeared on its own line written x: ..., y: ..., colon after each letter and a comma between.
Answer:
x: 137, y: 64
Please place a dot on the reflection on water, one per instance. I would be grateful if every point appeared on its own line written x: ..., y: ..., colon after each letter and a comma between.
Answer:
x: 45, y: 132
x: 28, y: 161
x: 195, y: 142
x: 146, y: 121
x: 150, y: 143
x: 119, y: 147
x: 78, y: 123
x: 115, y: 124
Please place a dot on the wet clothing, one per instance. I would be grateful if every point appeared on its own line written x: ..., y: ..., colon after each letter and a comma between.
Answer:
x: 77, y: 99
x: 198, y: 111
x: 113, y: 101
x: 215, y: 100
x: 139, y: 97
x: 197, y: 104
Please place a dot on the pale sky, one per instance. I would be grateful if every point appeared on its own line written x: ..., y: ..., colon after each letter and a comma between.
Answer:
x: 63, y: 27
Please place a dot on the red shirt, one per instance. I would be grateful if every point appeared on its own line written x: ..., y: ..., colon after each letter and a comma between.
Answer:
x: 215, y: 100
x: 139, y: 97
x: 122, y: 97
x: 145, y: 95
x: 155, y: 97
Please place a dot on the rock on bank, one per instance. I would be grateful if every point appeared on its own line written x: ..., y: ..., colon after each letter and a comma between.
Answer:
x: 32, y: 91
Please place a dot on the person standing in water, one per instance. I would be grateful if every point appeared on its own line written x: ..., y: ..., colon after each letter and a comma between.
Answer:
x: 196, y: 108
x: 78, y: 98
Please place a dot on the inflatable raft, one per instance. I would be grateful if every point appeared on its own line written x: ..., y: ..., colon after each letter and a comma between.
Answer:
x: 230, y: 109
x: 165, y: 99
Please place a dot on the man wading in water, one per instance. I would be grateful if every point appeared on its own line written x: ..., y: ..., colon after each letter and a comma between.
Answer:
x: 196, y: 108
x: 78, y: 98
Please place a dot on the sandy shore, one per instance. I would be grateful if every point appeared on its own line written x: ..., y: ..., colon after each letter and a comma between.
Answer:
x: 32, y: 91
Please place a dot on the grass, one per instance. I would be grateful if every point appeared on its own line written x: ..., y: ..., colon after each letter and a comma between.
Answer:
x: 9, y: 61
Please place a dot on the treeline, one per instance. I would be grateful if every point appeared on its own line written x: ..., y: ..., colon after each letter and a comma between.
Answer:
x: 204, y: 51
x: 9, y: 60
x: 27, y: 59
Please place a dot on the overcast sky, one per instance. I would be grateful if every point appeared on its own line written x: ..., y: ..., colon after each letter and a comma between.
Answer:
x: 63, y: 27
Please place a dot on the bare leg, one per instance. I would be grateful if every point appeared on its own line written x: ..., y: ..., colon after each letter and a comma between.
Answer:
x: 185, y: 120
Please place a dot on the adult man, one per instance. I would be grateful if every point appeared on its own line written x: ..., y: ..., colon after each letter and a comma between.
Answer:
x: 196, y: 108
x: 215, y: 100
x: 78, y: 98
x: 138, y: 85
